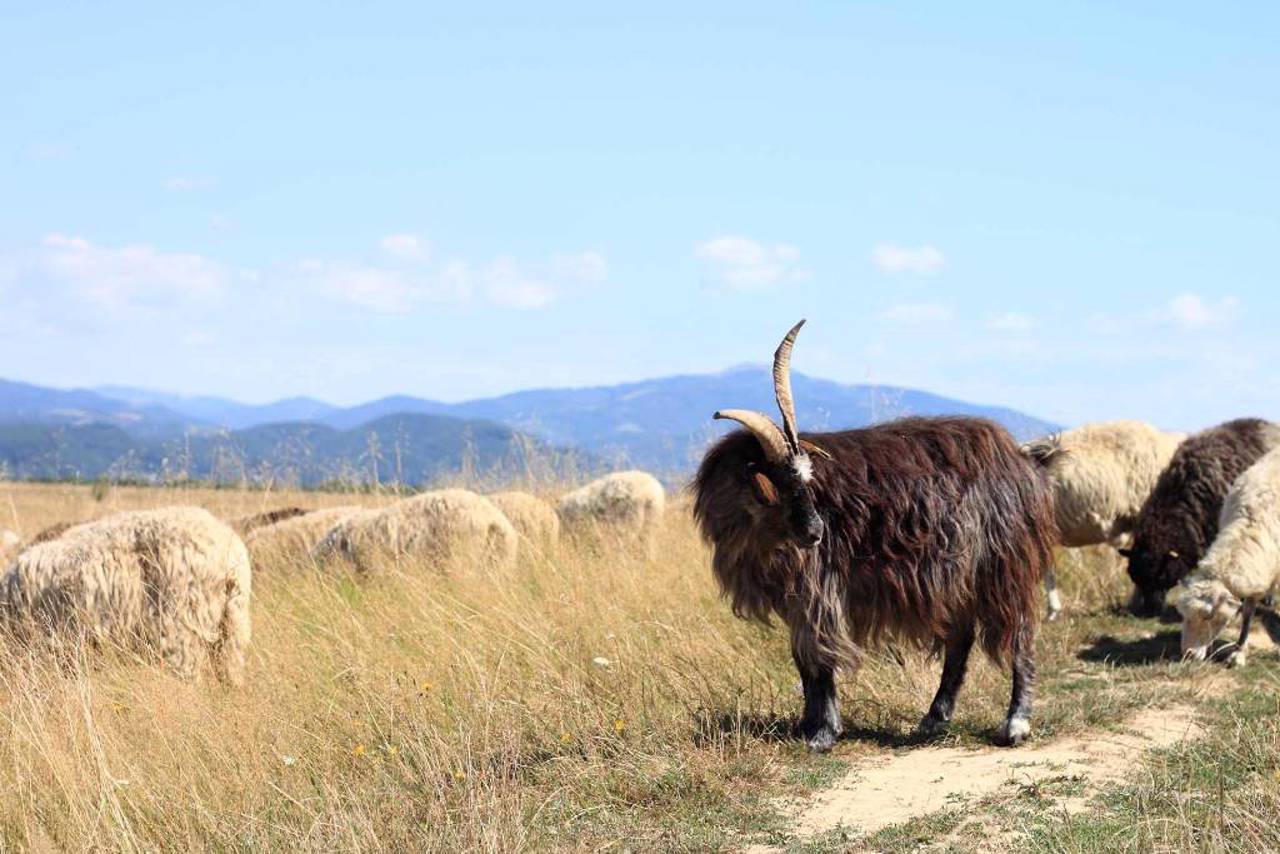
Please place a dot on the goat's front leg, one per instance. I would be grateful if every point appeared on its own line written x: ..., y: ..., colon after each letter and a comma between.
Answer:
x: 820, y: 724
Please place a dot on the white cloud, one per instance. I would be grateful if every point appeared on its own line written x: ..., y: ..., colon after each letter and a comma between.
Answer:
x: 1190, y: 311
x: 907, y: 259
x: 1010, y: 323
x: 586, y: 267
x: 742, y: 264
x: 916, y: 314
x: 387, y: 290
x: 508, y: 286
x: 408, y: 247
x: 115, y: 277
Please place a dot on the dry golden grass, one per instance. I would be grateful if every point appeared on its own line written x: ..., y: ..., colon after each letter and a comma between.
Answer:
x: 585, y: 698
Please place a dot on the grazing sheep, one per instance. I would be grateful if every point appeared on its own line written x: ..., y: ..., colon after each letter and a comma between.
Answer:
x: 627, y: 504
x: 296, y: 536
x: 175, y: 581
x: 1179, y: 519
x: 445, y: 525
x: 533, y: 518
x: 248, y: 524
x: 1241, y: 567
x: 932, y: 530
x: 1100, y: 475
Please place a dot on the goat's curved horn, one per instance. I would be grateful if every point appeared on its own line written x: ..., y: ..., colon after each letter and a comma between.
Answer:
x: 765, y: 431
x: 782, y: 387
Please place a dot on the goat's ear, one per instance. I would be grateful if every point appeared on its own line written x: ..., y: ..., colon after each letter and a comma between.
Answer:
x: 1125, y: 552
x: 765, y: 491
x: 810, y: 448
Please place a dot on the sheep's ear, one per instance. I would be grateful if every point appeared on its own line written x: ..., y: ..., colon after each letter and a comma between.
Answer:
x: 765, y: 491
x: 810, y: 448
x: 1125, y: 552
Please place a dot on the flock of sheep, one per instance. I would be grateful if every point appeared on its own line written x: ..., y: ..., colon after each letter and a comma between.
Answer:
x: 176, y: 582
x: 937, y: 531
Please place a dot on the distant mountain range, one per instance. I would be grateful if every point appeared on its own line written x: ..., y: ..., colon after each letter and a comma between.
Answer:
x: 661, y: 424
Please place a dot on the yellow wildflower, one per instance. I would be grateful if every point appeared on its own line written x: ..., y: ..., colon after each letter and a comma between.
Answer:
x: 619, y: 726
x: 358, y: 750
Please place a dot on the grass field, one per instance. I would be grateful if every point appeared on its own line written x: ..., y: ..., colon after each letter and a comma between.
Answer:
x: 584, y: 699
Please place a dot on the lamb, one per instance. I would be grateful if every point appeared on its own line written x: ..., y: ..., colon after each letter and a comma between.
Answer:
x: 533, y: 518
x: 1100, y: 475
x: 932, y: 530
x: 444, y: 525
x: 626, y: 504
x: 1240, y: 568
x: 295, y: 537
x: 1179, y: 520
x: 174, y: 581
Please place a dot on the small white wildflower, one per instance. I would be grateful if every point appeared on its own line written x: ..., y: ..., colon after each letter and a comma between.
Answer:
x: 601, y: 661
x: 288, y: 760
x: 799, y: 688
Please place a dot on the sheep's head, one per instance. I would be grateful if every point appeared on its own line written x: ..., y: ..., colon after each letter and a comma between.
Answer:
x: 775, y: 488
x: 1154, y: 567
x: 1206, y: 607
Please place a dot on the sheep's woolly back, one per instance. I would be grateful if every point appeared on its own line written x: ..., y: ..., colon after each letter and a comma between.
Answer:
x: 174, y: 581
x: 1101, y: 474
x: 295, y: 537
x: 629, y: 502
x: 533, y: 518
x: 446, y: 525
x: 1245, y: 556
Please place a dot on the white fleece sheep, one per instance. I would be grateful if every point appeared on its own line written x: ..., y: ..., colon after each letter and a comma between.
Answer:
x: 174, y: 581
x: 297, y: 536
x: 533, y: 518
x: 626, y: 503
x: 1101, y: 475
x: 446, y: 525
x: 1241, y: 567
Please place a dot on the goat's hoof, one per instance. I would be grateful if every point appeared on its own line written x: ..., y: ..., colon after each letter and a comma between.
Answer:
x: 821, y: 741
x: 930, y: 726
x: 1013, y: 732
x: 1239, y: 658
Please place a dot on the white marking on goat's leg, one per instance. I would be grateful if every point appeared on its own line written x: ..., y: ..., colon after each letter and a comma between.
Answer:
x: 954, y: 666
x: 1017, y: 725
x: 1052, y: 600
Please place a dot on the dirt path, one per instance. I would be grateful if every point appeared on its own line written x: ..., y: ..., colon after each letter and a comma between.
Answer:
x: 884, y: 792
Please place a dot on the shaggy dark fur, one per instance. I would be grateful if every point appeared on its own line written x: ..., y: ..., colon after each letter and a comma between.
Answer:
x: 1179, y: 520
x: 245, y: 524
x: 937, y: 532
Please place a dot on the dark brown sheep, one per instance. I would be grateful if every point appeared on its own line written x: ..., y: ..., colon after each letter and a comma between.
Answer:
x: 1179, y: 520
x: 248, y: 524
x: 935, y: 531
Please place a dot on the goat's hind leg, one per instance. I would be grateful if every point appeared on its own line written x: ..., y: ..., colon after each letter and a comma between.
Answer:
x: 955, y: 663
x: 1017, y: 726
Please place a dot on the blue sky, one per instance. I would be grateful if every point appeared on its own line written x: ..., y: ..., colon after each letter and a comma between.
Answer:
x: 1069, y: 209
